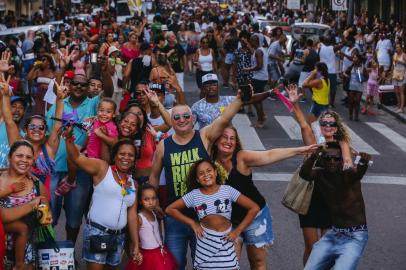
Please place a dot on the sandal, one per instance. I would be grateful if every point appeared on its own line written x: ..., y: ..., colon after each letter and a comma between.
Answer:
x: 64, y: 187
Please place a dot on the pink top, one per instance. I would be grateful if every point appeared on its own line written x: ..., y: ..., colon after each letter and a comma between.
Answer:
x: 128, y: 54
x: 150, y: 238
x: 79, y: 67
x: 373, y: 76
x: 94, y: 145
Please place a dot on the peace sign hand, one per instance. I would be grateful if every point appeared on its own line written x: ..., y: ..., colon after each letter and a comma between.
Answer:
x: 62, y: 90
x: 4, y: 85
x: 152, y: 96
x: 5, y: 60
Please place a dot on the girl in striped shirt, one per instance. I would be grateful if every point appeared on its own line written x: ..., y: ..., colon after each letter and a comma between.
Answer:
x: 212, y: 204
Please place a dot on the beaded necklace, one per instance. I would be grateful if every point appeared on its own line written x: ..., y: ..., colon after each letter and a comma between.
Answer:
x: 124, y: 182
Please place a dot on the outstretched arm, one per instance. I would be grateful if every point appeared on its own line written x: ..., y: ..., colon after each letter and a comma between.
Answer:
x: 211, y: 132
x: 247, y: 159
x: 95, y: 167
x: 306, y: 130
x: 13, y: 133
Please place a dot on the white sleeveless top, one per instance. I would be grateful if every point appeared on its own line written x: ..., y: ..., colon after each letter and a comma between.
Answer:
x: 206, y: 61
x: 328, y: 56
x: 150, y: 238
x: 109, y: 207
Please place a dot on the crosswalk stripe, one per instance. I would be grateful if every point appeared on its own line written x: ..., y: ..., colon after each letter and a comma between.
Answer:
x: 390, y: 134
x: 291, y: 127
x: 248, y: 136
x: 360, y: 145
x: 369, y: 179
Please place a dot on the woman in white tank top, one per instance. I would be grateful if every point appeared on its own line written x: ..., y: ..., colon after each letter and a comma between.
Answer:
x: 205, y: 62
x: 113, y: 204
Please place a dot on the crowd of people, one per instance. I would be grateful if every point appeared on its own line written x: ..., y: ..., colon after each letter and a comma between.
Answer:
x: 95, y: 120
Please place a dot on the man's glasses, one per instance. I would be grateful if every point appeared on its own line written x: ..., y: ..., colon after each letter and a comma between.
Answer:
x: 82, y: 84
x: 34, y: 126
x: 328, y: 124
x: 178, y: 116
x: 332, y: 158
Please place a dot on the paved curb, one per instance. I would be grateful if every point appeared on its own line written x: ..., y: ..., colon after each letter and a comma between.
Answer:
x: 391, y: 110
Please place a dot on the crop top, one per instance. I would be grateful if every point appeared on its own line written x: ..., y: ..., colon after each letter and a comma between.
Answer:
x: 218, y: 203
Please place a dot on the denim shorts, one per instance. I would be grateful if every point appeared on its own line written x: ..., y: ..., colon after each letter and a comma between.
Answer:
x: 229, y: 58
x: 317, y: 109
x: 112, y: 258
x: 259, y: 232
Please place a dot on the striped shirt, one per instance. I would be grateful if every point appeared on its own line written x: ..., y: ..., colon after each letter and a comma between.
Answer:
x: 218, y: 203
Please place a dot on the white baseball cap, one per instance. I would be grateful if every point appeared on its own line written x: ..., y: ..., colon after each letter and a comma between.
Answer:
x: 113, y: 49
x: 211, y: 77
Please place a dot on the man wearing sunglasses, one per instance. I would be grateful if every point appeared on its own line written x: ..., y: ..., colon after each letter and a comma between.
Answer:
x: 75, y: 202
x: 175, y: 155
x: 212, y: 105
x: 343, y: 244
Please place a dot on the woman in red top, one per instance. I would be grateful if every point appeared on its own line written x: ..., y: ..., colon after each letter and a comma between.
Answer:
x: 130, y: 49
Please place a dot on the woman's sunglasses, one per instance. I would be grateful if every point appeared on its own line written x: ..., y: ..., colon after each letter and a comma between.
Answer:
x: 328, y: 124
x: 34, y: 126
x: 178, y: 116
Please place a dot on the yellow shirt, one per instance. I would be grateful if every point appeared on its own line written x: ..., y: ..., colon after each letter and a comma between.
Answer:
x: 321, y: 96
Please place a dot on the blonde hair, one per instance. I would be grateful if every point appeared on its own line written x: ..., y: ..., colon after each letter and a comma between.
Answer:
x: 342, y: 133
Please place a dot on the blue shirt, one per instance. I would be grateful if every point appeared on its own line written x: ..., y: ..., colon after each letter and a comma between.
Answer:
x: 205, y: 113
x: 4, y: 145
x: 88, y: 108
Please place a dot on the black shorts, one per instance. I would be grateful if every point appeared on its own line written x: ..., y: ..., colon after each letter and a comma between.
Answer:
x: 258, y: 85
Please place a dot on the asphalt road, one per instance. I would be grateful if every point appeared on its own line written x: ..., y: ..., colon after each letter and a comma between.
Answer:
x: 384, y: 187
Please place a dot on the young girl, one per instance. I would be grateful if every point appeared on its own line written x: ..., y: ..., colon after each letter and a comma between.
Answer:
x: 212, y: 204
x: 103, y: 133
x: 154, y: 255
x: 372, y: 87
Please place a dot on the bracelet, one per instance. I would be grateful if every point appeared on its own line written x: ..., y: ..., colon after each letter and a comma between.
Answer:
x: 158, y: 136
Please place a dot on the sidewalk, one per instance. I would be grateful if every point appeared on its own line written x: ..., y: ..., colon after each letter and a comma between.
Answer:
x: 392, y: 110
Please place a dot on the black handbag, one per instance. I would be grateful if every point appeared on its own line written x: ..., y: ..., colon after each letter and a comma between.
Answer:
x: 103, y: 243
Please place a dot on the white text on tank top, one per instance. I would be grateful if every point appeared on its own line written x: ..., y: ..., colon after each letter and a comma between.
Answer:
x: 261, y: 74
x: 108, y: 207
x: 206, y: 61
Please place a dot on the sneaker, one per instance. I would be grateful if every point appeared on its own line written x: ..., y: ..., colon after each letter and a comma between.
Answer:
x: 64, y: 187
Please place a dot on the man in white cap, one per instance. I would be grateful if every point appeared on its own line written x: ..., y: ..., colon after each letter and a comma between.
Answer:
x: 210, y: 108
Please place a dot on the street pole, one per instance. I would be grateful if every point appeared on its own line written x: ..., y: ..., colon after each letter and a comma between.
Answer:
x: 350, y: 14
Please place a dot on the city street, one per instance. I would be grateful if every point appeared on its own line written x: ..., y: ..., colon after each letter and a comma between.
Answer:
x: 384, y: 186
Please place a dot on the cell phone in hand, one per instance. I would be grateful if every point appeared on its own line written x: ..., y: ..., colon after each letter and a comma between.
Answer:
x: 246, y: 92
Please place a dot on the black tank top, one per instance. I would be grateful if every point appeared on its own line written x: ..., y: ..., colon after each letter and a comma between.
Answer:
x: 177, y: 161
x: 311, y: 60
x: 245, y: 185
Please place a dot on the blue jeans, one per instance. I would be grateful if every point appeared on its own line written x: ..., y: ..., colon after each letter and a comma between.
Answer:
x: 177, y: 236
x: 339, y: 249
x: 75, y: 203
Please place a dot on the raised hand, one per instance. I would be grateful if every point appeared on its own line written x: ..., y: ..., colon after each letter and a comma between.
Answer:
x: 5, y: 60
x: 152, y: 96
x: 4, y: 85
x: 62, y: 90
x: 294, y: 95
x: 151, y: 130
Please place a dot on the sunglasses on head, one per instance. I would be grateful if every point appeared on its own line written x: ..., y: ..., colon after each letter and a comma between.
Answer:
x: 178, y: 116
x: 34, y: 126
x: 328, y: 124
x: 334, y: 158
x: 82, y: 84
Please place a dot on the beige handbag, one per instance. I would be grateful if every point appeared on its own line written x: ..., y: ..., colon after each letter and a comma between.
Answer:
x: 298, y: 194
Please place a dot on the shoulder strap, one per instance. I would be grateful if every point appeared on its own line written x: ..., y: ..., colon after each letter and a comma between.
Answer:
x: 46, y: 156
